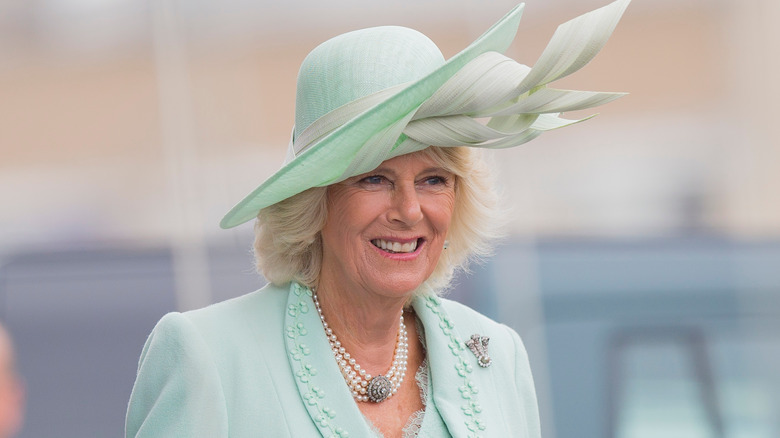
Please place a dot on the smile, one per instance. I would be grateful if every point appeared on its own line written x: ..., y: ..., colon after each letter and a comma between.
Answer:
x: 396, y: 247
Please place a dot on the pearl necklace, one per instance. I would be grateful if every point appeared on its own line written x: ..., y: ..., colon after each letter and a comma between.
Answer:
x: 364, y: 387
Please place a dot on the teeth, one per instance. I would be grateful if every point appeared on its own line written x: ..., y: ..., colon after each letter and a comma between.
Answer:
x: 395, y: 246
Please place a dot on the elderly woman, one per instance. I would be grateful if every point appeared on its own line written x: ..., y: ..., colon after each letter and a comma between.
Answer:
x: 382, y: 197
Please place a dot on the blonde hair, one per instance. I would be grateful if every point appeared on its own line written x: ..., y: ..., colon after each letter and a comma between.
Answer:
x: 288, y: 246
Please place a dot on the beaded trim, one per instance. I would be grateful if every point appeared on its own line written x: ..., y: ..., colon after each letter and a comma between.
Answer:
x: 314, y: 395
x: 468, y: 391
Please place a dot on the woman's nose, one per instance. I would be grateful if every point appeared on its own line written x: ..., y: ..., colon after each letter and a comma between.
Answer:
x: 406, y: 205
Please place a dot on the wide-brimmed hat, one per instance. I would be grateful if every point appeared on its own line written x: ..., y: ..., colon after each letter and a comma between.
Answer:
x: 373, y: 94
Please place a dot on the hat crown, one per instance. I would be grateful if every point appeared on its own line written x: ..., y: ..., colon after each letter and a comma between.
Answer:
x: 359, y: 63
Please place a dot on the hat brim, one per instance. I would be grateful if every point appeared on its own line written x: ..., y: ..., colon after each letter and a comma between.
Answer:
x: 322, y: 163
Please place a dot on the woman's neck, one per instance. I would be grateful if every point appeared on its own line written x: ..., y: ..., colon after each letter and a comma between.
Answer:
x: 366, y: 324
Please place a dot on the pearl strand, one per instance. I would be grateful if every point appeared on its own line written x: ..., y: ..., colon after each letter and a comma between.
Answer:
x: 363, y: 386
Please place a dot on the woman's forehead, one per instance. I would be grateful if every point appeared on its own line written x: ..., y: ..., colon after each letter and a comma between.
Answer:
x: 417, y: 159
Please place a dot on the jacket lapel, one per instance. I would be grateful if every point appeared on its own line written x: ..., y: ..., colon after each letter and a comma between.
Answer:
x: 456, y: 379
x: 317, y: 376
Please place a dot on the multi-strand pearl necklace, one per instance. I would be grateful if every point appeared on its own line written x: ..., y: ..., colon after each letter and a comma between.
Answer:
x: 364, y: 387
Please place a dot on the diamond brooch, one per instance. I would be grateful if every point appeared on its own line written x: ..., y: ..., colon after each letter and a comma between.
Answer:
x: 479, y: 346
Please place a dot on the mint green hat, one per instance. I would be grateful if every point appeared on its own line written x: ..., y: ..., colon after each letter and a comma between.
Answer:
x: 373, y: 94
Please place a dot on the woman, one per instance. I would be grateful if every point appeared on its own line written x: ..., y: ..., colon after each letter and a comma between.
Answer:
x: 357, y: 233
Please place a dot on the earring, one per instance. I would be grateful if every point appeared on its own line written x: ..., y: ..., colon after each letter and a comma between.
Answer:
x: 446, y: 244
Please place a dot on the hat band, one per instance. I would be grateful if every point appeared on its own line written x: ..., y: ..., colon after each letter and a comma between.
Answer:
x: 337, y: 117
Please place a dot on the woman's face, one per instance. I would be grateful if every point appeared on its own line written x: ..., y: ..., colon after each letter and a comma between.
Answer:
x: 385, y: 229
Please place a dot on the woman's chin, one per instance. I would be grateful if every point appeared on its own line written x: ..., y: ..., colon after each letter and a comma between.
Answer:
x: 398, y: 287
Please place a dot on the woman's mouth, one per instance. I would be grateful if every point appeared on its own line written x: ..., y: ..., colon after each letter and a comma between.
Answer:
x: 396, y: 247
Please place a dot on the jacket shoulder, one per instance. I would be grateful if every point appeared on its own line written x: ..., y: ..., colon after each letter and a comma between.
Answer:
x: 267, y: 300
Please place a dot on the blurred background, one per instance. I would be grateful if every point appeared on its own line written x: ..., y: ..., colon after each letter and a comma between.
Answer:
x: 643, y: 263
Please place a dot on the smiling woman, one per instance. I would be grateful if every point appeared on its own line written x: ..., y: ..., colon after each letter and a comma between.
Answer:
x: 381, y: 199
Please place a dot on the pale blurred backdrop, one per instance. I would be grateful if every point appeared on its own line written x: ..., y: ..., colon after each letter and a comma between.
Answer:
x: 643, y: 263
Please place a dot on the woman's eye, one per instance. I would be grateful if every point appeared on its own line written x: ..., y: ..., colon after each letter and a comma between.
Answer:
x: 373, y: 179
x: 435, y: 180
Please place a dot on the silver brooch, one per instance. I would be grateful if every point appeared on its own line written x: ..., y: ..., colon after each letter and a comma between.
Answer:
x: 479, y: 346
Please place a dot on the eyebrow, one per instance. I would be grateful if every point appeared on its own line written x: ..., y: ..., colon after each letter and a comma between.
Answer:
x: 387, y: 170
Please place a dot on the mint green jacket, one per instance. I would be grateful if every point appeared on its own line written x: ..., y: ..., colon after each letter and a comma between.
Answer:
x: 260, y: 366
